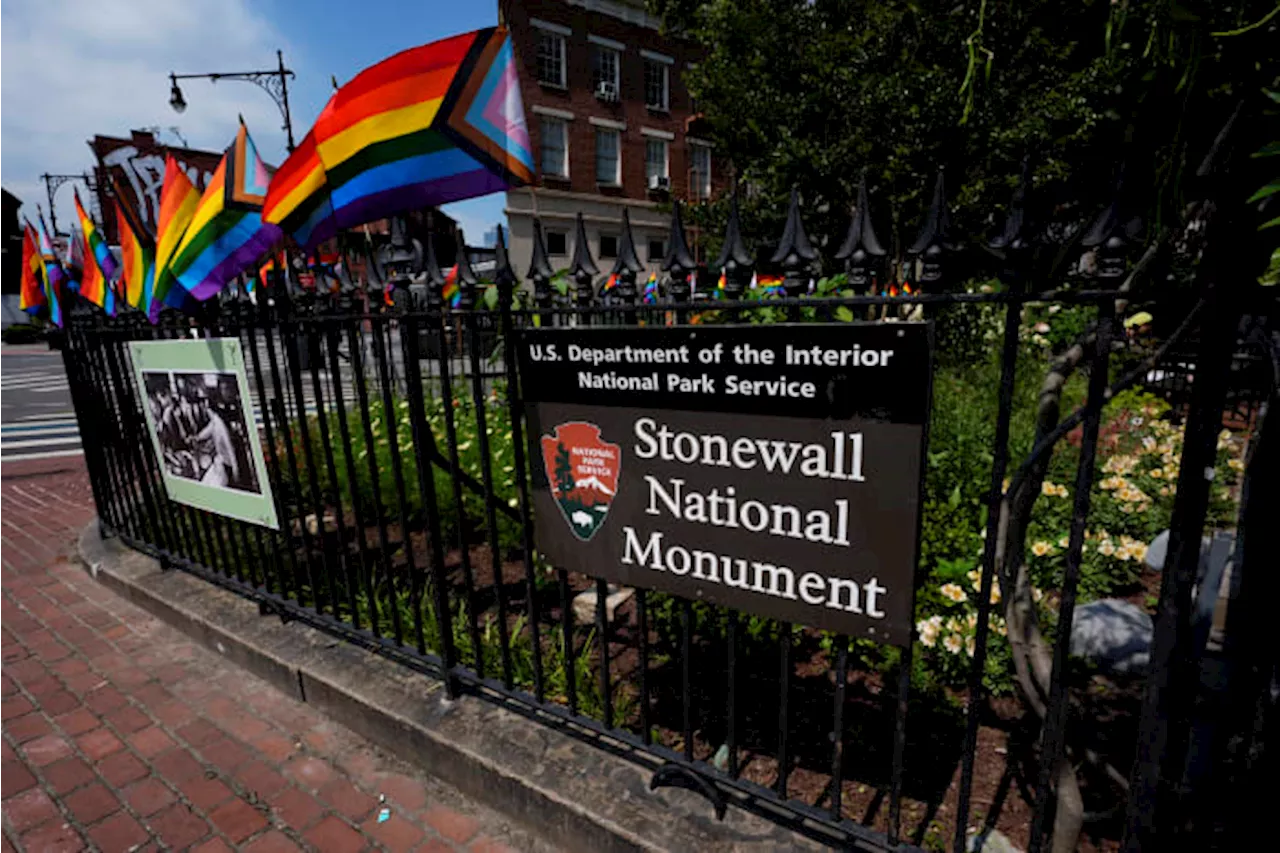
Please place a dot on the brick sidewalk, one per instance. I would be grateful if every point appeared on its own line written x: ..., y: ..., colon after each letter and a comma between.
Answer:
x: 121, y: 734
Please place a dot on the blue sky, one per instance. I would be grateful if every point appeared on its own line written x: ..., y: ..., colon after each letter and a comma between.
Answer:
x: 113, y: 59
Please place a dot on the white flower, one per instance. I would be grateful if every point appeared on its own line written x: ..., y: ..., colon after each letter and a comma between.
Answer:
x: 953, y: 592
x: 1106, y: 549
x: 1041, y: 548
x: 1042, y: 328
x: 953, y: 643
x: 928, y: 633
x: 1054, y: 309
x: 969, y: 645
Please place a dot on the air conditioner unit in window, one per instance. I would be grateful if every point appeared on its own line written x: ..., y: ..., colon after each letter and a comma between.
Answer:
x: 659, y: 182
x: 606, y: 91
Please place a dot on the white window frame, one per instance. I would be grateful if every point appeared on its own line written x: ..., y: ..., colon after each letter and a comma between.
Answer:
x: 617, y: 156
x: 599, y: 46
x: 699, y: 189
x: 653, y: 139
x: 560, y: 34
x: 563, y: 124
x: 656, y: 60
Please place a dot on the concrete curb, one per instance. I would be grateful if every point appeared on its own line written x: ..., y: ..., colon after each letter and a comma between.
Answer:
x: 570, y: 793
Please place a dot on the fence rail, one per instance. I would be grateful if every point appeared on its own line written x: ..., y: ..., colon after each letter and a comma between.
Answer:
x: 396, y: 448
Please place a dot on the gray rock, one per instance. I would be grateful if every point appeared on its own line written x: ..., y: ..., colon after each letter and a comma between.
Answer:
x: 584, y: 604
x: 1113, y: 634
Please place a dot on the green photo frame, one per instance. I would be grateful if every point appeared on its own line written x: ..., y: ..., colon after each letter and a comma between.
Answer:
x: 200, y: 414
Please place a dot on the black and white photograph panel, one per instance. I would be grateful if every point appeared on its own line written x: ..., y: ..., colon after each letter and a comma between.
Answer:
x: 201, y: 429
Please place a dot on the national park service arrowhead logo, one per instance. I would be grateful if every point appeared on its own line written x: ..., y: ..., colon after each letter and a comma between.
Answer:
x: 583, y: 470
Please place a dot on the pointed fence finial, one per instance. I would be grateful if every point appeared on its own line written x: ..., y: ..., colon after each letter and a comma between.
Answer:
x: 540, y: 271
x: 503, y: 273
x: 734, y: 261
x: 466, y: 275
x: 434, y: 277
x: 934, y: 238
x: 679, y: 262
x: 627, y: 265
x: 583, y: 268
x: 860, y: 247
x: 1014, y: 240
x: 794, y: 251
x: 1107, y: 237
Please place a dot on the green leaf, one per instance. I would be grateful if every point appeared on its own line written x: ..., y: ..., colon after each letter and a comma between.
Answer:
x: 954, y: 500
x: 1271, y: 149
x: 844, y: 315
x: 491, y: 297
x: 1269, y: 190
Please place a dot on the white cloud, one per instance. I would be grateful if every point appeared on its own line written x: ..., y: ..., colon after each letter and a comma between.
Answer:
x: 75, y: 68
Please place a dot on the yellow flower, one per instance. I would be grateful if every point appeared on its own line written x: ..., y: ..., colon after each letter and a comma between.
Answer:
x: 1106, y: 549
x: 1235, y: 464
x: 1061, y: 491
x: 1157, y: 473
x: 1004, y: 485
x: 953, y: 592
x: 976, y: 577
x: 995, y: 595
x: 1048, y: 489
x: 1041, y: 548
x: 953, y: 643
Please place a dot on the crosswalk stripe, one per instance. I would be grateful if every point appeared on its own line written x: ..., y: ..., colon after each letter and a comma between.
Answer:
x: 52, y: 454
x: 60, y: 424
x: 74, y: 439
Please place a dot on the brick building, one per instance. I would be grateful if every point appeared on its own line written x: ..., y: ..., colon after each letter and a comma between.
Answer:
x: 612, y: 127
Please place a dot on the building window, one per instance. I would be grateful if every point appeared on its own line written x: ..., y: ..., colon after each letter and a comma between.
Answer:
x: 657, y: 91
x: 551, y: 59
x: 657, y: 249
x: 608, y: 161
x: 608, y: 245
x: 699, y: 171
x: 655, y: 161
x: 605, y: 76
x: 555, y: 148
x: 557, y: 243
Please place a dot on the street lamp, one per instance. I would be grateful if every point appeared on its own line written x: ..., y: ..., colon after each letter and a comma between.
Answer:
x: 274, y: 82
x: 51, y: 185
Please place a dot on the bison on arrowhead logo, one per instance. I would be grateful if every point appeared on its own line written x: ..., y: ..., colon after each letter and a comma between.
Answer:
x: 583, y: 470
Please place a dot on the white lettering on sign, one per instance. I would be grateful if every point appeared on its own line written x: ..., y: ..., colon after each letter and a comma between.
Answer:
x: 842, y: 462
x: 145, y: 174
x: 757, y: 576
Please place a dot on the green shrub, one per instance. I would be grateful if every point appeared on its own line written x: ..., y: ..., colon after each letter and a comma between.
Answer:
x: 22, y: 333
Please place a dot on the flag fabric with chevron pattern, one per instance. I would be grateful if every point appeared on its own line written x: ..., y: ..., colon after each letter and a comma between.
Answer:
x: 430, y: 125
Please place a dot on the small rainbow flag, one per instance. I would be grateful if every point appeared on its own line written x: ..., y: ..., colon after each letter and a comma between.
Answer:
x: 718, y: 293
x: 772, y: 285
x: 137, y: 255
x: 226, y: 234
x: 52, y: 273
x: 31, y: 293
x: 433, y: 124
x: 178, y: 201
x: 610, y: 283
x: 452, y: 292
x: 650, y: 295
x: 94, y: 285
x: 94, y: 244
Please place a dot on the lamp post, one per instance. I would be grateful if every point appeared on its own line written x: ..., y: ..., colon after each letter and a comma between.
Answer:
x: 51, y: 185
x: 274, y: 82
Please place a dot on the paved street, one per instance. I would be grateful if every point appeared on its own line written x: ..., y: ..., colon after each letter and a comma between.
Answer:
x: 37, y: 420
x: 120, y: 734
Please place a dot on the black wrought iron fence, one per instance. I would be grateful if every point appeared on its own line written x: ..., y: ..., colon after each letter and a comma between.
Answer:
x: 395, y: 444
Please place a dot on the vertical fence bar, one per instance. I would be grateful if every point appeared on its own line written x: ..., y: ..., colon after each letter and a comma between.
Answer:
x: 273, y: 462
x: 422, y: 438
x: 490, y: 516
x: 1056, y: 711
x: 293, y: 363
x: 455, y: 460
x: 642, y: 628
x: 999, y: 464
x: 899, y: 746
x: 837, y: 729
x: 602, y: 625
x: 784, y: 695
x: 362, y: 400
x: 316, y: 358
x: 392, y: 426
x: 277, y: 408
x: 731, y: 701
x: 686, y: 679
x: 353, y: 486
x: 516, y: 414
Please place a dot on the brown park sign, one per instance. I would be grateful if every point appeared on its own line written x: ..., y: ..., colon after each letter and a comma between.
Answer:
x: 773, y: 469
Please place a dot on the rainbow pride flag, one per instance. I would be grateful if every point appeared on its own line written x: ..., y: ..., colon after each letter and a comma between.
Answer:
x: 94, y: 244
x: 772, y: 285
x: 52, y: 273
x: 31, y: 293
x: 94, y: 285
x: 452, y: 292
x: 137, y: 256
x: 226, y: 234
x: 430, y: 125
x: 178, y: 200
x: 610, y: 283
x: 650, y: 295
